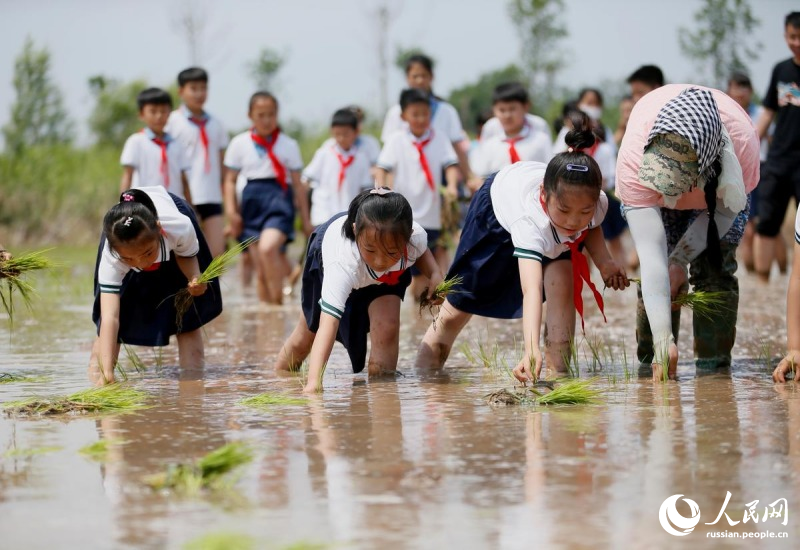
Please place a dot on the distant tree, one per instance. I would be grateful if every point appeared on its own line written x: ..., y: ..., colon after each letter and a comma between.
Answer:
x: 473, y: 99
x: 264, y: 69
x: 115, y: 115
x: 403, y: 54
x: 541, y: 31
x: 38, y: 116
x: 720, y: 44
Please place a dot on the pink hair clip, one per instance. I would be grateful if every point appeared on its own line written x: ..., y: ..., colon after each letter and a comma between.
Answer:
x: 127, y: 197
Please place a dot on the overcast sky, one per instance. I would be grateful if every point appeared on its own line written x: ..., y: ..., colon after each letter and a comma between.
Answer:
x: 331, y: 45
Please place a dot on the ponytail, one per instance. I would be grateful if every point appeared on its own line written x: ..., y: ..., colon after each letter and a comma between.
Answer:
x: 713, y: 249
x: 127, y: 220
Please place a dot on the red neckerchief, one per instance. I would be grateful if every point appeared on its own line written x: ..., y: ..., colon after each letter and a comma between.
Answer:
x: 580, y: 271
x: 201, y: 122
x: 393, y: 277
x: 164, y: 160
x: 268, y: 145
x: 344, y: 163
x: 423, y: 160
x: 512, y: 151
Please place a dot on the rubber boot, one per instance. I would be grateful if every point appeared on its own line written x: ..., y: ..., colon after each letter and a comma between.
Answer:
x: 715, y: 331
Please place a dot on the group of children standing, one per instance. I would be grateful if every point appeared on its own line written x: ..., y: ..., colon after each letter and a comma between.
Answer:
x: 373, y: 224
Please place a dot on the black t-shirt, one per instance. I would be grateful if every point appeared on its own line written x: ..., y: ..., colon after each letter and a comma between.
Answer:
x: 783, y: 97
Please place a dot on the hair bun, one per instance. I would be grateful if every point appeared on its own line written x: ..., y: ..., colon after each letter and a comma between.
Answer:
x: 580, y: 139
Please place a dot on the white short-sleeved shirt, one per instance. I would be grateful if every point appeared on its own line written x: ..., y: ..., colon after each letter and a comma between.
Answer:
x: 444, y: 120
x: 205, y: 179
x: 345, y: 270
x: 493, y: 154
x: 253, y: 162
x: 606, y: 157
x: 494, y: 127
x: 144, y: 155
x: 797, y: 227
x: 329, y: 197
x: 177, y: 234
x: 516, y: 193
x: 370, y: 145
x: 400, y: 156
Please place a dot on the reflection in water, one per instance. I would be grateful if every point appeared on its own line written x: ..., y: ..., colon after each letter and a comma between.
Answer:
x: 416, y: 462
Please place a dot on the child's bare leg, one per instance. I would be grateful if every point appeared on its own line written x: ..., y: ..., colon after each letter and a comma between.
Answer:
x: 764, y: 253
x: 560, y: 318
x: 246, y: 267
x: 438, y: 340
x: 418, y: 284
x: 296, y: 348
x: 780, y: 253
x: 191, y: 352
x: 214, y: 232
x: 271, y: 264
x: 384, y: 335
x: 746, y: 246
x: 96, y: 371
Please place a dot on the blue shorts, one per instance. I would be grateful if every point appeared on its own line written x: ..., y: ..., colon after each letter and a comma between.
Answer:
x: 613, y: 224
x: 354, y: 324
x: 147, y: 300
x: 208, y: 210
x: 266, y: 205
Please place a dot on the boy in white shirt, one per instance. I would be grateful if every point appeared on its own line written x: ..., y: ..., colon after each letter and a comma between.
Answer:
x: 152, y: 157
x: 518, y: 140
x: 339, y: 170
x: 412, y: 162
x: 205, y: 139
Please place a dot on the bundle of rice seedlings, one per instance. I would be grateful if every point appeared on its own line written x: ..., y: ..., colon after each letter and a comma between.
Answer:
x: 99, y: 450
x: 705, y: 303
x: 569, y: 392
x: 439, y: 293
x: 33, y: 451
x: 109, y: 398
x: 11, y: 378
x: 218, y: 267
x: 206, y: 473
x: 269, y: 400
x: 12, y: 272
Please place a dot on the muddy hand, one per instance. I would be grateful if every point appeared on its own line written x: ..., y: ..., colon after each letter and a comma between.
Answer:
x: 788, y: 365
x: 197, y: 289
x: 614, y: 275
x: 678, y: 283
x: 522, y: 371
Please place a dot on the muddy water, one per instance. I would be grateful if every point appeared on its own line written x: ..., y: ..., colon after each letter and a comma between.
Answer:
x: 417, y: 462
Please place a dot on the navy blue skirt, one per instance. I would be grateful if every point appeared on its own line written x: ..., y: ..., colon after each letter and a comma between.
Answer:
x: 147, y: 299
x: 486, y: 263
x: 354, y: 324
x: 613, y: 224
x: 266, y: 205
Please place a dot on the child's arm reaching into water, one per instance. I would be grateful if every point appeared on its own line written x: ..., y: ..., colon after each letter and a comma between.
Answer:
x: 792, y: 360
x: 531, y: 280
x: 107, y: 350
x: 321, y: 352
x: 231, y: 204
x: 612, y: 272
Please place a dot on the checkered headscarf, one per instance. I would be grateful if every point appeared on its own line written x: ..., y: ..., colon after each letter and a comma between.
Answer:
x: 693, y: 114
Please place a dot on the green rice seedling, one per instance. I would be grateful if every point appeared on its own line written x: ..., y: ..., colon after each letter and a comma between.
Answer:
x: 98, y: 451
x: 628, y: 372
x: 488, y: 357
x: 11, y: 378
x: 12, y: 273
x: 221, y: 541
x: 573, y: 391
x: 270, y: 400
x: 105, y: 399
x: 33, y: 451
x: 207, y: 472
x: 441, y: 291
x: 765, y: 355
x: 466, y: 351
x: 218, y: 267
x: 705, y: 303
x: 136, y: 361
x: 595, y: 348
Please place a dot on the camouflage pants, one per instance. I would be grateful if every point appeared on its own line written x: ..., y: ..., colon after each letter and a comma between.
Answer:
x: 715, y: 333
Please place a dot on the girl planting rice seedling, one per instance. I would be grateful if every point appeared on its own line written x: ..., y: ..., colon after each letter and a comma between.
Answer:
x: 521, y: 244
x: 151, y: 249
x: 355, y: 276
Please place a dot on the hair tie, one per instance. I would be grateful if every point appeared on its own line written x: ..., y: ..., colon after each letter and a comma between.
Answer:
x: 380, y: 191
x: 577, y: 168
x: 127, y: 222
x: 128, y: 197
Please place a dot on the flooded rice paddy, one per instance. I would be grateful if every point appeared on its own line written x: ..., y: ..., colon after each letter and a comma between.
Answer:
x: 421, y: 461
